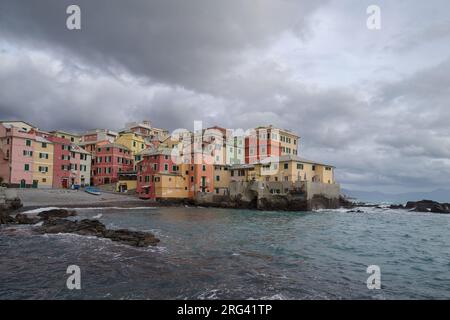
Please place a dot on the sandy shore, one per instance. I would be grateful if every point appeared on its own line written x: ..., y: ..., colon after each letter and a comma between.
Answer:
x: 35, y: 198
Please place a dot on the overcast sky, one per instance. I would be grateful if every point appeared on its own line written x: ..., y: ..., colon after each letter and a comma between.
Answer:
x: 374, y: 103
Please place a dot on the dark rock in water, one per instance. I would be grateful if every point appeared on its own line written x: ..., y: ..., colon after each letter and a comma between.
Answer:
x: 428, y: 206
x: 90, y: 228
x: 5, y: 218
x: 396, y: 206
x: 13, y: 204
x: 355, y: 211
x: 95, y: 228
x: 132, y: 238
x: 345, y: 203
x: 56, y: 213
x: 24, y: 219
x: 57, y: 226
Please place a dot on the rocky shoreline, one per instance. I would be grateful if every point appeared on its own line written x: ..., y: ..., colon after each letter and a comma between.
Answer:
x: 53, y: 221
x: 425, y: 206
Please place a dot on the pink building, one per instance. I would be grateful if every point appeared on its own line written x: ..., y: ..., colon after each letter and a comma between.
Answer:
x: 62, y: 175
x: 110, y: 159
x: 16, y: 153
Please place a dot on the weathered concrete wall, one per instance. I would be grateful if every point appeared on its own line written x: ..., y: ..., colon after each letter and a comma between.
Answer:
x: 301, y: 196
x: 331, y: 191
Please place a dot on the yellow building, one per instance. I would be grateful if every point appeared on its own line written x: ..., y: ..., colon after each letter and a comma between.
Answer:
x: 127, y: 182
x: 132, y: 141
x: 293, y: 169
x: 43, y: 163
x: 288, y: 169
x: 221, y: 179
x: 170, y: 185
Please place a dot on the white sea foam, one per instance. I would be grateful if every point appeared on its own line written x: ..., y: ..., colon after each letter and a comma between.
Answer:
x: 39, y: 210
x: 36, y: 211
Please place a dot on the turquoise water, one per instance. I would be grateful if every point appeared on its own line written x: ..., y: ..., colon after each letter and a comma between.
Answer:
x: 236, y: 254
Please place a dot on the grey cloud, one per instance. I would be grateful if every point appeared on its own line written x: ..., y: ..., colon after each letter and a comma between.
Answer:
x: 177, y: 42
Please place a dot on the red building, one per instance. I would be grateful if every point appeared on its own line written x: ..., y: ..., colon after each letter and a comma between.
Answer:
x: 261, y: 144
x: 153, y: 164
x: 61, y: 162
x: 110, y: 159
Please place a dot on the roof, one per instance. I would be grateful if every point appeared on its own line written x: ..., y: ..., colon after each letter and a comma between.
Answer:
x: 42, y: 139
x: 16, y: 121
x: 94, y: 131
x: 65, y: 132
x: 16, y: 125
x: 78, y: 149
x: 299, y: 159
x: 114, y: 145
x: 154, y: 152
x: 281, y: 129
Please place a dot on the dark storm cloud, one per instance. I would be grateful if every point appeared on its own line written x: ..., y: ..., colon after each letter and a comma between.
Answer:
x: 178, y: 42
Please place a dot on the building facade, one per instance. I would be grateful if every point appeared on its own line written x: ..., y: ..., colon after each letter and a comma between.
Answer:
x: 159, y: 177
x: 17, y: 146
x: 43, y: 163
x: 110, y: 160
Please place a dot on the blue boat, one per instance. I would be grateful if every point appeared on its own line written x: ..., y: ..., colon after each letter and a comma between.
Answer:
x: 93, y: 191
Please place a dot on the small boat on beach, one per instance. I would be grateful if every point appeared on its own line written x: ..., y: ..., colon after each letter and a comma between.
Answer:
x: 93, y: 191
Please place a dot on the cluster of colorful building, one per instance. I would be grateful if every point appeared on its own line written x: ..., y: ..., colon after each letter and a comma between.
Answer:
x: 154, y: 163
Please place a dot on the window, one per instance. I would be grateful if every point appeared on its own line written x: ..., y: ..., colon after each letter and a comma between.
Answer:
x: 99, y: 149
x: 203, y: 167
x: 217, y: 190
x: 192, y: 179
x: 313, y: 168
x: 166, y: 167
x: 328, y: 168
x: 174, y: 168
x: 44, y: 145
x: 147, y: 178
x: 299, y: 166
x: 134, y: 143
x: 27, y: 153
x: 166, y: 157
x: 28, y: 143
x: 44, y: 179
x: 286, y: 178
x: 286, y: 165
x: 217, y: 178
x: 26, y: 167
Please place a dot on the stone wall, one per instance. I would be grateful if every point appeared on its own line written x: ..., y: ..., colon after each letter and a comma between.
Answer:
x: 300, y: 196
